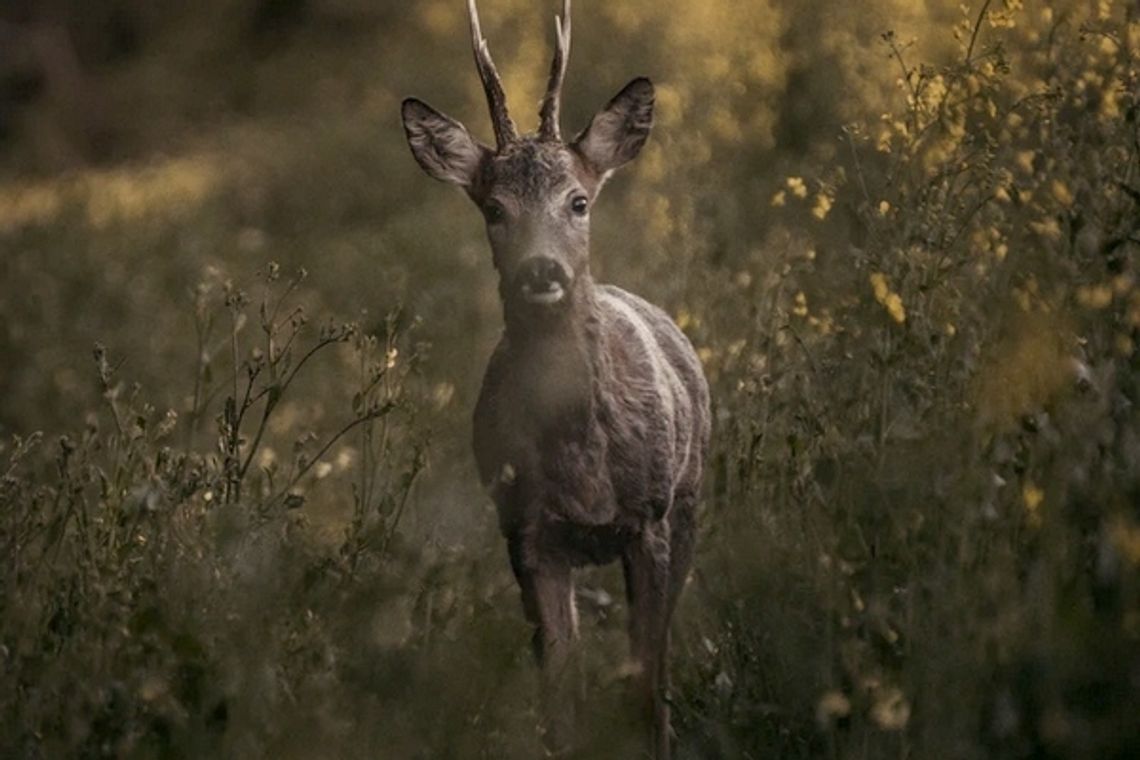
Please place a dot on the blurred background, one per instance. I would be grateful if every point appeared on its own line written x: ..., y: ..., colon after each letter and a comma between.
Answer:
x: 902, y: 235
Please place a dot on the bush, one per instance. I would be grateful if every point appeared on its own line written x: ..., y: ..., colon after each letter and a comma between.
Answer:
x: 162, y: 596
x: 909, y: 266
x: 926, y: 495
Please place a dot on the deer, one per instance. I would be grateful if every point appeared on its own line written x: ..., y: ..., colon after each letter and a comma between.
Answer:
x: 592, y: 425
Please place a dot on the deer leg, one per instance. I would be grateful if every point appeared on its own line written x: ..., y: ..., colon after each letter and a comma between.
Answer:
x: 682, y: 545
x: 548, y: 603
x: 646, y: 565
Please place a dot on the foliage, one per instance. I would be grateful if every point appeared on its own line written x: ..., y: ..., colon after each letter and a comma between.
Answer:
x: 910, y: 268
x: 934, y: 412
x: 148, y: 583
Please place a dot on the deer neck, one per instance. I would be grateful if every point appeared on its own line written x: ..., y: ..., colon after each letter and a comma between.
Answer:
x: 557, y: 357
x: 574, y: 324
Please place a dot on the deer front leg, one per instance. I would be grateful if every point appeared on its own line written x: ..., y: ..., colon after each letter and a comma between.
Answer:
x: 646, y: 565
x: 548, y: 602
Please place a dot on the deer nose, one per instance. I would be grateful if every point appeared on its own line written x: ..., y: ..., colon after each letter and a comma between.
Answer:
x: 543, y: 280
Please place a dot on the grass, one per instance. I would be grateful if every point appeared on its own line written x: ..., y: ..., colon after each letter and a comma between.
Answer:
x: 250, y: 527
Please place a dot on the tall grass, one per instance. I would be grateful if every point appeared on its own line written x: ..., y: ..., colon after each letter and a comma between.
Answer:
x: 911, y: 277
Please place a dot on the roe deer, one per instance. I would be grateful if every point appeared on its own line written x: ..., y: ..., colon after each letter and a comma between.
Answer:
x: 592, y: 427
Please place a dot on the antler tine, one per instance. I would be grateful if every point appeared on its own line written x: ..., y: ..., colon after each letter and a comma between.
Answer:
x: 551, y: 103
x: 505, y: 131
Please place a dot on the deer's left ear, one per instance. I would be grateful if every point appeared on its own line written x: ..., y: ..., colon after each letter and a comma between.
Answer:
x: 441, y: 145
x: 618, y: 131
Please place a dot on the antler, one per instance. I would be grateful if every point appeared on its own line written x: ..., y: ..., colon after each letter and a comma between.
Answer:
x: 551, y: 102
x: 505, y: 131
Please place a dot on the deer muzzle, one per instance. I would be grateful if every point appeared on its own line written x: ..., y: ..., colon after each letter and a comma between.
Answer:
x: 543, y: 281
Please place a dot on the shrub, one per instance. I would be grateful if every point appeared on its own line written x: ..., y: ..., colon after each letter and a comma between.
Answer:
x: 163, y: 596
x: 926, y: 491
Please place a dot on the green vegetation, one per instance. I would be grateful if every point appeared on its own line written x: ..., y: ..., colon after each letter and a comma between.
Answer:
x: 249, y: 525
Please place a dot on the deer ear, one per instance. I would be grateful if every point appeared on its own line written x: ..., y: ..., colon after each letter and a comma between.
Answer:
x: 441, y: 145
x: 618, y: 131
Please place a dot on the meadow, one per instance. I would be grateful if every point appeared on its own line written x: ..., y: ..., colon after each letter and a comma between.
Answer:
x: 241, y: 337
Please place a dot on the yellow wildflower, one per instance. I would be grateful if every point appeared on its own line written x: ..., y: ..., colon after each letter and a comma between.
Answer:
x: 1094, y: 296
x: 891, y: 301
x: 1033, y: 498
x: 879, y: 285
x: 822, y: 206
x: 890, y: 711
x: 832, y: 705
x: 1062, y: 193
x: 1025, y: 160
x: 1047, y: 228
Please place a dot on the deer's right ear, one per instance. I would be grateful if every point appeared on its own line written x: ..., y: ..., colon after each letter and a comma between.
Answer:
x: 441, y: 145
x: 617, y: 133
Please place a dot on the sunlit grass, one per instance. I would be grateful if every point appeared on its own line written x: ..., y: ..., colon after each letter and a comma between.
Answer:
x: 163, y: 193
x: 908, y: 262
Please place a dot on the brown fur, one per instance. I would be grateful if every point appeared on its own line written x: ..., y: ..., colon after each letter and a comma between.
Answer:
x: 592, y: 427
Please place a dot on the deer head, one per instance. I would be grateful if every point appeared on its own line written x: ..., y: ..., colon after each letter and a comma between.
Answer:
x: 535, y: 191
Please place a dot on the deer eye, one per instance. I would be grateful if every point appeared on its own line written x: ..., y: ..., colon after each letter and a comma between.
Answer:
x: 494, y: 213
x: 580, y: 205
